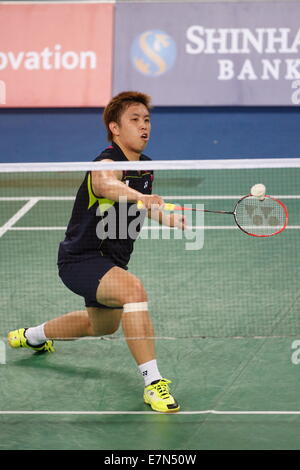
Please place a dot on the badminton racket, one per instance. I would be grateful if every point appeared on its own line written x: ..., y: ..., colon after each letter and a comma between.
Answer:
x: 258, y: 217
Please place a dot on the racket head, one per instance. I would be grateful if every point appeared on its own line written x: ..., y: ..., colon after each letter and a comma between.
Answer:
x: 260, y: 218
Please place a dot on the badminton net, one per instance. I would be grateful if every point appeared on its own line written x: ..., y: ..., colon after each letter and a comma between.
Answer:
x: 209, y: 281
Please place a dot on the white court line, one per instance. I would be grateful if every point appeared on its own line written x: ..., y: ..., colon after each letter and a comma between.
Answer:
x: 20, y: 229
x: 159, y: 228
x: 237, y: 197
x: 190, y: 198
x: 40, y: 198
x: 18, y: 215
x: 33, y: 200
x: 103, y: 413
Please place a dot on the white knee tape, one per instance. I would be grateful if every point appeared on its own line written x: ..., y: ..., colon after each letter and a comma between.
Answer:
x: 135, y: 307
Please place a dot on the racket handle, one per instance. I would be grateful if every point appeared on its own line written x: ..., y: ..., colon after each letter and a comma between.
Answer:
x: 140, y: 205
x: 167, y: 206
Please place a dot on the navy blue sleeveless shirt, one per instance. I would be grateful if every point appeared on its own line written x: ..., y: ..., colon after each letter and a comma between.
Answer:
x: 99, y: 225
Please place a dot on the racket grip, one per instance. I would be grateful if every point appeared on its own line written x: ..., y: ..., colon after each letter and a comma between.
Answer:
x: 140, y: 205
x: 167, y: 206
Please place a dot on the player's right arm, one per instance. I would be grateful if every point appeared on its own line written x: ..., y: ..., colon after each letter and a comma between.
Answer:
x: 108, y: 184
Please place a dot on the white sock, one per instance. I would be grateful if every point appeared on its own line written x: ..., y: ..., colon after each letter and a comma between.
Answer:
x: 36, y: 335
x: 150, y: 372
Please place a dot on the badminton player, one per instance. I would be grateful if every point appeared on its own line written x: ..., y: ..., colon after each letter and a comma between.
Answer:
x: 94, y: 265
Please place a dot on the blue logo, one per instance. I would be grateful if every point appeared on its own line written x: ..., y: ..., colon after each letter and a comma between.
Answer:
x: 153, y: 53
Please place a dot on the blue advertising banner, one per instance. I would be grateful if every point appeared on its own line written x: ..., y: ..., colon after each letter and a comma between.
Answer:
x: 209, y: 53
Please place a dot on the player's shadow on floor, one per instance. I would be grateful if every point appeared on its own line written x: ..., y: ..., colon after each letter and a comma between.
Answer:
x: 42, y: 361
x: 92, y: 384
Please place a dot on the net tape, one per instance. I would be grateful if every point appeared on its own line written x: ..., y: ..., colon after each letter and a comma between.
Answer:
x: 223, y: 164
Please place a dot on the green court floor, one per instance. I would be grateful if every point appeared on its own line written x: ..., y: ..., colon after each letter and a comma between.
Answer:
x: 226, y: 318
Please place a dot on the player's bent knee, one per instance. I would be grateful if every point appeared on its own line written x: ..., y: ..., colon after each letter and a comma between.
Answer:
x: 136, y: 293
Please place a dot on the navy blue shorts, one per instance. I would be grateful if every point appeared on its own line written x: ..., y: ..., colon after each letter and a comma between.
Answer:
x: 83, y: 276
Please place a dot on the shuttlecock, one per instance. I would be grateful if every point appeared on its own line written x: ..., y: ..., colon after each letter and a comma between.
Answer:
x: 259, y: 191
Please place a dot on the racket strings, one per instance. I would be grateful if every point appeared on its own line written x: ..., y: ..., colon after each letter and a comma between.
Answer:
x: 260, y: 217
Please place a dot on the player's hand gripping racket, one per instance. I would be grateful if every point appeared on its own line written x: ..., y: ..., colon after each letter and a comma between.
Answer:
x: 256, y: 217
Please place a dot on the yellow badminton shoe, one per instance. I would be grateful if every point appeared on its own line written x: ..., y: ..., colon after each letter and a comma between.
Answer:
x: 158, y: 396
x: 17, y: 339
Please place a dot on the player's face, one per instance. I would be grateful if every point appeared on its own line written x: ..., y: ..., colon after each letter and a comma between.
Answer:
x: 133, y: 131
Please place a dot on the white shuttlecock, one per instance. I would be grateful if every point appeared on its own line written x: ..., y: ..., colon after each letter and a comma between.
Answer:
x: 259, y: 191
